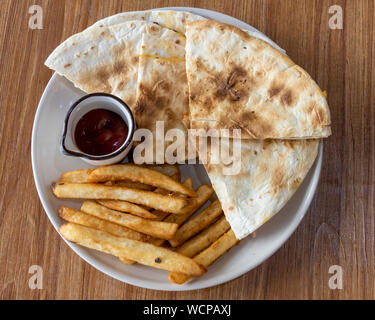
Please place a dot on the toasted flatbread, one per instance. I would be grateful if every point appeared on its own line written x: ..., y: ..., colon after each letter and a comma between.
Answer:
x: 270, y: 173
x: 104, y: 59
x: 162, y: 92
x: 237, y: 81
x: 175, y: 20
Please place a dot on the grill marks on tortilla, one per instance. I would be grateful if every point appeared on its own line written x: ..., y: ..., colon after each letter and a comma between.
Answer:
x: 151, y: 104
x: 284, y: 94
x: 251, y: 76
x: 230, y: 87
x: 108, y: 78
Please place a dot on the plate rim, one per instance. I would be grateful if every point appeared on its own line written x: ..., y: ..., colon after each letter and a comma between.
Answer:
x: 144, y: 283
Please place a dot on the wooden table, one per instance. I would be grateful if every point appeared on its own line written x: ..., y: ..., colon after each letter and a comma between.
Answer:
x: 339, y: 228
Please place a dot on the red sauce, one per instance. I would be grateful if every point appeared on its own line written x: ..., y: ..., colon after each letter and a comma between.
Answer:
x: 100, y: 132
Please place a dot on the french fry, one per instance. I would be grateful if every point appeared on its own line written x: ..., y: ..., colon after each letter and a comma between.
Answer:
x: 97, y: 191
x: 81, y: 176
x: 127, y: 207
x: 167, y: 169
x: 76, y: 176
x: 121, y: 206
x: 127, y: 261
x: 204, y: 193
x: 208, y: 256
x: 177, y: 177
x: 129, y: 184
x: 197, y: 224
x: 205, y: 238
x: 138, y: 174
x: 188, y: 183
x: 87, y: 220
x: 138, y: 251
x: 158, y: 229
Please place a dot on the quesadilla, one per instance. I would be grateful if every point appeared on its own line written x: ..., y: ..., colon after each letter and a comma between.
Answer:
x: 270, y: 173
x: 104, y: 59
x: 174, y: 20
x: 162, y: 95
x: 237, y: 81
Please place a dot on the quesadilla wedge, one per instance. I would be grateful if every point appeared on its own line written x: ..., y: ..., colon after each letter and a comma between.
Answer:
x: 104, y: 59
x: 237, y: 81
x: 270, y: 173
x: 162, y: 94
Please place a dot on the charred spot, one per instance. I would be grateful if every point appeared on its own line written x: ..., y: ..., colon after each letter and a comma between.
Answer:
x: 150, y: 103
x: 139, y: 108
x: 119, y: 67
x: 177, y: 41
x: 135, y: 60
x: 67, y: 65
x: 228, y: 88
x: 278, y: 178
x: 170, y: 115
x: 102, y: 75
x: 274, y: 90
x: 266, y: 144
x: 157, y: 260
x: 248, y: 116
x: 207, y: 103
x: 192, y: 97
x: 164, y: 85
x: 92, y: 47
x: 287, y: 98
x: 289, y: 144
x: 154, y: 28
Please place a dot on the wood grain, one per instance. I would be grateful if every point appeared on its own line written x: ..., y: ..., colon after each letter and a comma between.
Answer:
x: 337, y: 230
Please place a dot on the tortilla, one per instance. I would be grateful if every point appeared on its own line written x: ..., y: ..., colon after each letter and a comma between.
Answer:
x: 162, y: 92
x: 237, y: 81
x: 175, y: 20
x: 270, y: 173
x: 104, y: 59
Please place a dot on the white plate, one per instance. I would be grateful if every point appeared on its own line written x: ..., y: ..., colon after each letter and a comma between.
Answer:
x: 48, y: 163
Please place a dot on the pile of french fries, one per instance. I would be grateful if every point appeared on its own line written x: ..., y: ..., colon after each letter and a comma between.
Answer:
x: 144, y: 214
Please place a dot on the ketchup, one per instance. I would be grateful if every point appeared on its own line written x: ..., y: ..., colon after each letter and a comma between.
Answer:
x: 100, y: 132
